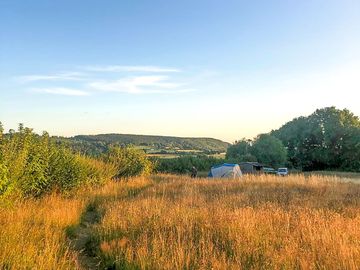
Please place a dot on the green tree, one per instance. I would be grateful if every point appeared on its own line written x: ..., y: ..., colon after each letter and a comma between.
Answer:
x: 269, y: 150
x: 350, y: 157
x: 321, y: 140
x: 240, y: 151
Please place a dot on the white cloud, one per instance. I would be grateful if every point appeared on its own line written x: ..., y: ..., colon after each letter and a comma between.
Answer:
x: 118, y: 68
x: 140, y: 85
x: 61, y: 91
x: 65, y: 76
x: 154, y: 81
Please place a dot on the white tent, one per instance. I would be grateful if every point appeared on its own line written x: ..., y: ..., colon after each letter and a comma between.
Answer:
x: 225, y: 170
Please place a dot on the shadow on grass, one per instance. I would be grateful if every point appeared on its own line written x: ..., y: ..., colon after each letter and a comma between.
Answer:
x: 85, y: 240
x: 82, y: 238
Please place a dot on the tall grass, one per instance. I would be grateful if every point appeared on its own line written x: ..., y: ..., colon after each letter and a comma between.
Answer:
x: 32, y: 233
x: 173, y: 222
x: 259, y: 222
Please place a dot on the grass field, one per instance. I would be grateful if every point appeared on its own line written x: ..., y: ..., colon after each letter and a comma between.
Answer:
x: 174, y: 222
x: 340, y: 175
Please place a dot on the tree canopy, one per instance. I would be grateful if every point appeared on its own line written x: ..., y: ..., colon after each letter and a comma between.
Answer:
x: 327, y: 139
x: 269, y: 150
x: 265, y: 149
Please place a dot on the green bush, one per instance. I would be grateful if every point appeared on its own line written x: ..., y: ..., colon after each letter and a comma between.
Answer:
x: 4, y: 178
x: 32, y: 165
x: 129, y: 162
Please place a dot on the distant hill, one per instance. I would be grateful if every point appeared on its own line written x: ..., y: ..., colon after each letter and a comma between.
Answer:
x: 97, y: 144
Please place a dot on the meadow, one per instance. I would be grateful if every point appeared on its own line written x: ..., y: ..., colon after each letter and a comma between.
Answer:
x: 174, y: 222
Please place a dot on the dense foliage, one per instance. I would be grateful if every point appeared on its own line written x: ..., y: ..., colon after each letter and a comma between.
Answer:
x: 32, y: 165
x: 269, y: 150
x: 184, y: 164
x: 327, y: 139
x: 129, y: 162
x: 240, y: 151
x: 265, y: 149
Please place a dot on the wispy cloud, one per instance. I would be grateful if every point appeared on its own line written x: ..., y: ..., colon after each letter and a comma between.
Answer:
x: 110, y: 78
x: 65, y: 76
x: 140, y: 85
x: 60, y: 91
x: 117, y: 68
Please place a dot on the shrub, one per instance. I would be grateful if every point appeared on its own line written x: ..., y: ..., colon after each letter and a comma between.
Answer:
x: 4, y: 178
x: 129, y: 161
x: 33, y: 165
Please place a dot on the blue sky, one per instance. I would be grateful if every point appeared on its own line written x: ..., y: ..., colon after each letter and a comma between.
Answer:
x: 223, y: 69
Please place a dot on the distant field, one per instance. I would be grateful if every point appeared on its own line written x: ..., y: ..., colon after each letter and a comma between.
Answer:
x: 174, y: 222
x: 352, y: 176
x: 163, y: 155
x: 337, y: 174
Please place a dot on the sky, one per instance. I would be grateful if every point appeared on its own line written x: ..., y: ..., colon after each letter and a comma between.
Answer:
x: 205, y: 68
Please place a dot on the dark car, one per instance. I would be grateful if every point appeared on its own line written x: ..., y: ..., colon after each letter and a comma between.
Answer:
x: 268, y: 170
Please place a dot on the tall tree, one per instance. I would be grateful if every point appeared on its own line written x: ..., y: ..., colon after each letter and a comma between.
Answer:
x: 321, y: 140
x: 269, y: 150
x: 240, y: 151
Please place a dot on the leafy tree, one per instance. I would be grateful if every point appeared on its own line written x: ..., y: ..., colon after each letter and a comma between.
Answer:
x: 321, y: 140
x: 350, y: 157
x: 240, y: 151
x: 269, y: 150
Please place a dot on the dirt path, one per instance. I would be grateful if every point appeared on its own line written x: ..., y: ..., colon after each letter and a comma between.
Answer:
x: 82, y: 236
x: 82, y: 240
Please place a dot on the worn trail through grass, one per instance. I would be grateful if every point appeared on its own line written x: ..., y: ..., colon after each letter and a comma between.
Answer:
x: 82, y: 236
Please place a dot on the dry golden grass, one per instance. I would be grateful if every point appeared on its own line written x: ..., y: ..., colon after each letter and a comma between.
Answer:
x: 32, y: 233
x: 256, y: 223
x: 172, y: 222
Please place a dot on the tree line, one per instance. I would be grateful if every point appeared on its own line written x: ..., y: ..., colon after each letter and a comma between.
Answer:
x: 328, y: 139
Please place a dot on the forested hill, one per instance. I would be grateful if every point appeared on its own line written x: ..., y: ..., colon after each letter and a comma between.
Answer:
x: 96, y: 144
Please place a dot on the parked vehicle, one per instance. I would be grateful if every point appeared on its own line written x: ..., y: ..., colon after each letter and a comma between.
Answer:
x: 282, y: 171
x: 268, y: 170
